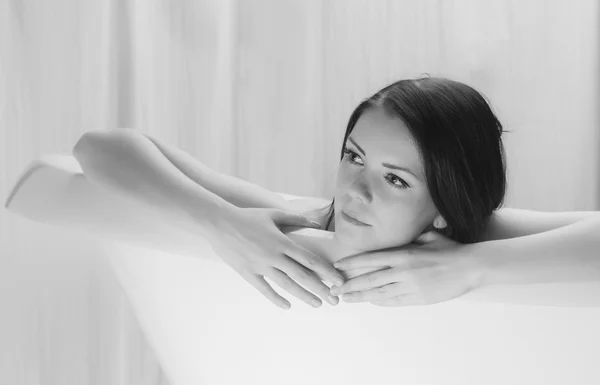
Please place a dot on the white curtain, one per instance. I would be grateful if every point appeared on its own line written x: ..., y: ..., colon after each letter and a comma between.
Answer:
x: 260, y: 89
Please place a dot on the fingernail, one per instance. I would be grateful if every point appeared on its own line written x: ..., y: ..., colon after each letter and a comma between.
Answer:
x: 316, y: 303
x: 339, y: 281
x: 335, y: 290
x: 337, y: 265
x: 333, y: 300
x: 315, y: 224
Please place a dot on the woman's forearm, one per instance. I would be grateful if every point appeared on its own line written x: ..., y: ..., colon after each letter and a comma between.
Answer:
x: 236, y: 191
x: 506, y: 223
x: 567, y: 254
x: 122, y: 163
x: 560, y: 267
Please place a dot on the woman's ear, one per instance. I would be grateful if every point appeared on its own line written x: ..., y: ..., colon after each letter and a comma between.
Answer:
x: 439, y: 222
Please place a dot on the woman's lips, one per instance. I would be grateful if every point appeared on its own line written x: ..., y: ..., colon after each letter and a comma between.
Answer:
x: 352, y: 220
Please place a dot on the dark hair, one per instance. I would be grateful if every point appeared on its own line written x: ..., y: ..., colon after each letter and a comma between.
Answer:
x: 460, y: 144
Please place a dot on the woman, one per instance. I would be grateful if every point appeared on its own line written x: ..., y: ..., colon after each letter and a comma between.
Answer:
x: 422, y: 170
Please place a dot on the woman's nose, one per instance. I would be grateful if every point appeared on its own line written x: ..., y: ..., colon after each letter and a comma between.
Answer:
x: 359, y: 190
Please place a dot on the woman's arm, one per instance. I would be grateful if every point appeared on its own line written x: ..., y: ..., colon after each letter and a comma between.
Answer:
x: 566, y: 260
x: 236, y: 191
x: 53, y: 190
x: 79, y: 201
x: 507, y: 223
x: 132, y: 167
x: 566, y: 254
x: 560, y: 250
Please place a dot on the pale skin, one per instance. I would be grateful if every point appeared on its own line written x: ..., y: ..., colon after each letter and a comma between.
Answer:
x: 519, y: 239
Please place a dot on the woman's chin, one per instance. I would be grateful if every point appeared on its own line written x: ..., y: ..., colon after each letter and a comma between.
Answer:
x: 350, y: 242
x: 354, y: 242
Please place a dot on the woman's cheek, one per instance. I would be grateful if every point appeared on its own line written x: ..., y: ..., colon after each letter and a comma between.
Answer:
x: 396, y: 231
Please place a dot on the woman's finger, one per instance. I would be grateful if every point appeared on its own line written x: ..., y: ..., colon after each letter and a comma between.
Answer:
x: 309, y: 280
x: 377, y: 294
x: 288, y: 284
x: 313, y: 262
x: 401, y: 300
x: 376, y: 259
x: 266, y: 290
x: 368, y: 281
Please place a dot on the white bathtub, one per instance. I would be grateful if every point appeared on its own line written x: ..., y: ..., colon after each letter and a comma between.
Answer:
x: 208, y: 326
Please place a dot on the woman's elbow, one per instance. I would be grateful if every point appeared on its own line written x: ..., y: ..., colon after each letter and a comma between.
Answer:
x: 99, y: 144
x: 88, y: 144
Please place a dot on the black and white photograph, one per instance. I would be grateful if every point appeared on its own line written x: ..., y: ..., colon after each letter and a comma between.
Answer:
x: 300, y: 192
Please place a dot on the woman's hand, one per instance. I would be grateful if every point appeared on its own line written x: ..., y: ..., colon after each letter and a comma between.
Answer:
x: 250, y: 241
x: 430, y: 270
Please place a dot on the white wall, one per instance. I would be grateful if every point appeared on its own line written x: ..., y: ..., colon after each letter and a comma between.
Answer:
x: 240, y: 84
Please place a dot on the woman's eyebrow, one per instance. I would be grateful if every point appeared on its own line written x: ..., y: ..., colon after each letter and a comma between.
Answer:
x: 357, y: 146
x: 388, y: 165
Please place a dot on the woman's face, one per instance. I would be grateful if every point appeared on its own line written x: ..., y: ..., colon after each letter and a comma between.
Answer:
x: 381, y: 182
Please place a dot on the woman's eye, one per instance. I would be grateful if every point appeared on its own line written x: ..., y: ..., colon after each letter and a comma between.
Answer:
x: 393, y: 179
x: 350, y: 155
